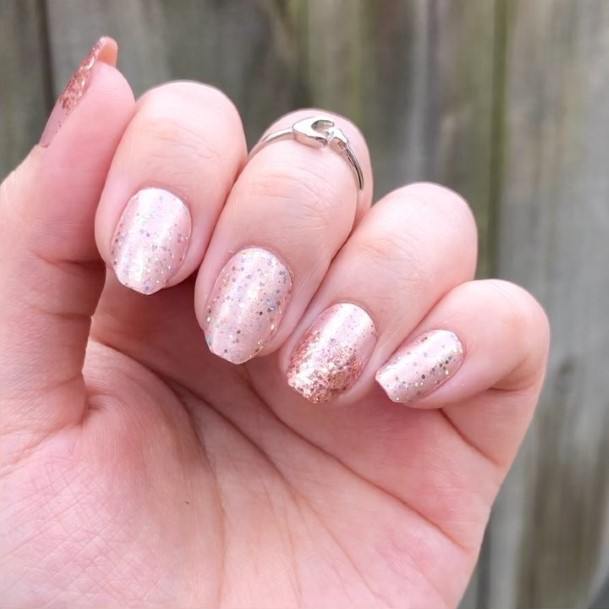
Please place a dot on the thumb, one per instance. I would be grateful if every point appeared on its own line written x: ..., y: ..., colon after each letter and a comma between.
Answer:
x: 50, y: 272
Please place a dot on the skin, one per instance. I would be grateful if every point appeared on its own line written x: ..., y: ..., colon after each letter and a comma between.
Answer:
x: 139, y: 470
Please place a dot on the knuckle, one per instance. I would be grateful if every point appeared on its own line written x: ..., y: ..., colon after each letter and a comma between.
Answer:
x: 386, y: 248
x: 393, y: 255
x: 174, y: 141
x: 305, y: 192
x: 433, y: 191
x: 442, y: 208
x: 176, y: 151
x: 188, y: 92
x: 448, y: 202
x: 523, y: 313
x: 519, y: 304
x: 164, y: 115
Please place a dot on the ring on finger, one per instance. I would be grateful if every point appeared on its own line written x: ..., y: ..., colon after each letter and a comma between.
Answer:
x: 317, y: 132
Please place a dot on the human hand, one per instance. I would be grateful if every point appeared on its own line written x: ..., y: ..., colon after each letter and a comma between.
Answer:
x: 140, y: 470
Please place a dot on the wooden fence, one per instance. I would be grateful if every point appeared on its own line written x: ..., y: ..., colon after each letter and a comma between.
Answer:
x: 507, y: 101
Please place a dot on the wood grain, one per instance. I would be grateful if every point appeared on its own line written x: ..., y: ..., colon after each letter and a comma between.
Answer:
x: 272, y: 57
x: 245, y: 48
x: 602, y: 598
x: 417, y: 77
x: 549, y: 538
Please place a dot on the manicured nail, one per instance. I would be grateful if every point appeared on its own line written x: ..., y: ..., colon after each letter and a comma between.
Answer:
x: 246, y: 304
x: 151, y: 240
x: 333, y: 353
x: 105, y: 49
x: 420, y: 367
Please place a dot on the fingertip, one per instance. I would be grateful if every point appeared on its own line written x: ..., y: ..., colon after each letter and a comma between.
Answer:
x: 530, y: 329
x: 103, y: 53
x: 489, y: 334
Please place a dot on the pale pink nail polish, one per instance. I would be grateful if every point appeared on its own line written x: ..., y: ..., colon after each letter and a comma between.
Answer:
x: 333, y: 353
x: 420, y: 367
x: 151, y: 240
x: 105, y: 49
x: 246, y: 304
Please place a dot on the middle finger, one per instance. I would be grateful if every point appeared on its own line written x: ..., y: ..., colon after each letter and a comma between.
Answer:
x: 287, y: 215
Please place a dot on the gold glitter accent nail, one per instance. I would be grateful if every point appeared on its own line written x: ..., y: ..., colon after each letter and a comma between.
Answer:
x: 420, y: 367
x: 332, y: 354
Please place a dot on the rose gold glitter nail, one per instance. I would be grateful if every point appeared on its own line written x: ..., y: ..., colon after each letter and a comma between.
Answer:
x: 246, y: 304
x: 333, y: 353
x: 419, y: 368
x: 151, y: 240
x: 105, y: 49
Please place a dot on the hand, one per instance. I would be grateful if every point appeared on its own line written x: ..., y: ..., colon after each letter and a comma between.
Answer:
x: 140, y: 470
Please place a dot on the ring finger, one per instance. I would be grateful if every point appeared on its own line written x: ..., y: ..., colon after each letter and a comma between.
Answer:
x: 409, y: 250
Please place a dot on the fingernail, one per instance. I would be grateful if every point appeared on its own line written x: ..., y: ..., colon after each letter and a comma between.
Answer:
x: 151, y: 240
x: 246, y: 304
x: 420, y: 367
x: 105, y: 49
x: 333, y: 353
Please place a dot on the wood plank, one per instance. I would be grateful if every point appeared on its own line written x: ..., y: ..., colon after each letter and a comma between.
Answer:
x: 137, y: 25
x: 417, y: 77
x: 550, y: 533
x: 601, y: 600
x: 25, y: 97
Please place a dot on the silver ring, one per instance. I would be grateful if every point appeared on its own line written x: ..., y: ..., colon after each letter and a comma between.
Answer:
x: 318, y: 132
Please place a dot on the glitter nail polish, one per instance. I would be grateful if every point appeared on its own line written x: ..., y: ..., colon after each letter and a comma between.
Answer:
x: 420, y: 367
x: 333, y: 353
x: 151, y: 240
x: 246, y: 304
x: 105, y: 49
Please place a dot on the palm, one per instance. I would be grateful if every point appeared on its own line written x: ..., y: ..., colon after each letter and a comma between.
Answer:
x: 191, y: 483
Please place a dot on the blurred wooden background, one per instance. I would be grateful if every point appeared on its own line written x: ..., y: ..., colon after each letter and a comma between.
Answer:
x: 504, y: 100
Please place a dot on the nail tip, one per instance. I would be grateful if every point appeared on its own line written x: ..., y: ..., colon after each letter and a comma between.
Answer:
x: 379, y: 382
x: 227, y: 356
x: 421, y: 366
x: 105, y: 50
x: 144, y: 291
x: 246, y: 304
x: 385, y: 390
x: 124, y: 279
x: 138, y: 289
x: 306, y: 395
x: 333, y: 353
